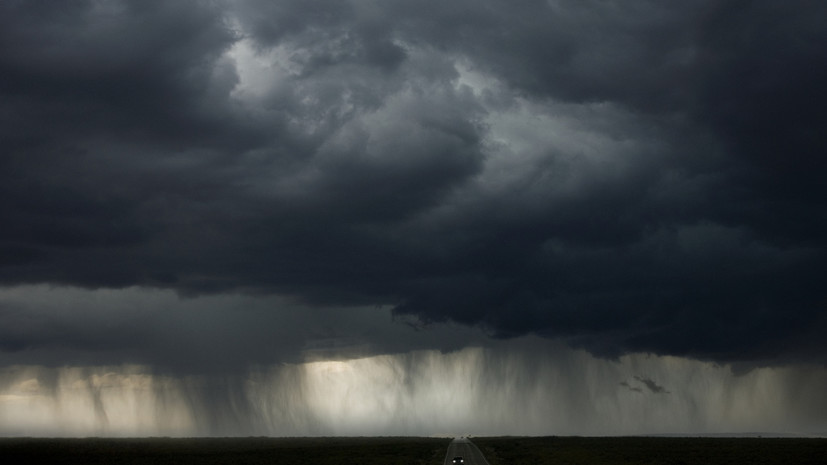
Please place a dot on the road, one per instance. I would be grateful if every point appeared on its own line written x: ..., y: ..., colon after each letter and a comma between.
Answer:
x: 463, y: 447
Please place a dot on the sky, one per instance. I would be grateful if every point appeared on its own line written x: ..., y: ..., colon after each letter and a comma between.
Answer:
x: 372, y: 217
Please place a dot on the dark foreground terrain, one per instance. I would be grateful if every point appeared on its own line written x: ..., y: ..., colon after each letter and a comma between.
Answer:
x: 180, y: 451
x: 416, y: 451
x: 652, y: 450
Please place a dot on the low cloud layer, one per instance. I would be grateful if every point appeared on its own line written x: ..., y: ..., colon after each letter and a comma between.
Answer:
x: 625, y: 177
x: 214, y: 334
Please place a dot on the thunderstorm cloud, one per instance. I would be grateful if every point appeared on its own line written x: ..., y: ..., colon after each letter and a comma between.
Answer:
x: 212, y: 187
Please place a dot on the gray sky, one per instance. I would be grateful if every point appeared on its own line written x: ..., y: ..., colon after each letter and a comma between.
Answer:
x: 211, y: 190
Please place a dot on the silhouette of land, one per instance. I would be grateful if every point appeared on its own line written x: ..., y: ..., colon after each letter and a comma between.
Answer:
x: 652, y: 450
x: 414, y: 451
x: 297, y: 451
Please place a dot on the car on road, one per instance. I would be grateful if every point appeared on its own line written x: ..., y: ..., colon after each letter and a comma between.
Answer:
x: 457, y: 460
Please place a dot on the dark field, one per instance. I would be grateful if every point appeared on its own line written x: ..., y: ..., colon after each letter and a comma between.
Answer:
x: 652, y: 450
x: 322, y: 451
x: 419, y: 451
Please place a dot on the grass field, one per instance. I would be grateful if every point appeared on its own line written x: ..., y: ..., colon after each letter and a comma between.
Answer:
x: 414, y: 451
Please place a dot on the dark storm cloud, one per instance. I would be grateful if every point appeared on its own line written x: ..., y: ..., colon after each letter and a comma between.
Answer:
x: 220, y: 335
x: 626, y: 176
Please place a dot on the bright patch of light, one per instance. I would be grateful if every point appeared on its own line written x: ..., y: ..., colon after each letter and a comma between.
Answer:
x: 260, y: 71
x: 478, y: 82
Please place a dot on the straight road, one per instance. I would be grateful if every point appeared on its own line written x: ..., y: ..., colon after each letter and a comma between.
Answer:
x: 463, y: 447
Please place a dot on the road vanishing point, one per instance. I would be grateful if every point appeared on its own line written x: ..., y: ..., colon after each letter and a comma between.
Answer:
x: 463, y: 447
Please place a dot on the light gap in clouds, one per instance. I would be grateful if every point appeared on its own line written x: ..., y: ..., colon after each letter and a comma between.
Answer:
x: 260, y: 71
